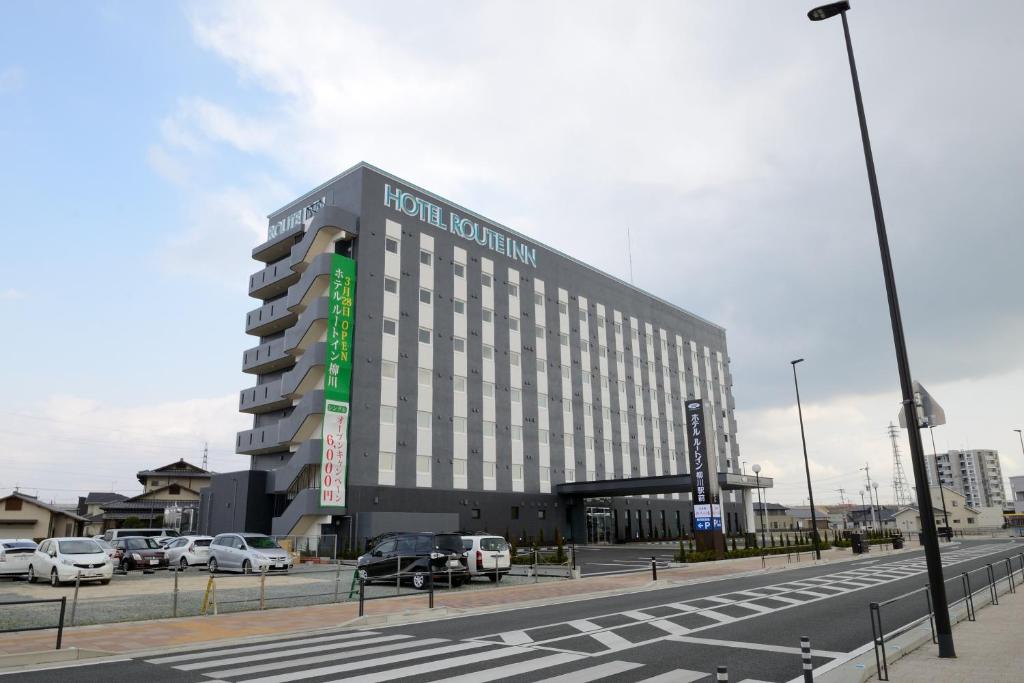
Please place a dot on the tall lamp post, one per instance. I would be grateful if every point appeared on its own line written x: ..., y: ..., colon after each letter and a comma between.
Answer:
x: 807, y: 467
x: 937, y: 585
x: 862, y: 509
x: 757, y: 475
x: 1021, y: 440
x: 878, y: 505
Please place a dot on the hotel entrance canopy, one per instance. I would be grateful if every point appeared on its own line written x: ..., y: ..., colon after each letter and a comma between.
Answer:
x: 668, y: 483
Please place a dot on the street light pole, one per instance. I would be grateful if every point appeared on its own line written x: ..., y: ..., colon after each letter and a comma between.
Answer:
x: 807, y: 467
x: 757, y: 476
x: 937, y: 585
x: 1021, y: 440
x: 878, y: 505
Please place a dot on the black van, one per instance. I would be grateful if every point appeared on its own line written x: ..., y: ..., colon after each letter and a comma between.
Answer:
x: 414, y: 556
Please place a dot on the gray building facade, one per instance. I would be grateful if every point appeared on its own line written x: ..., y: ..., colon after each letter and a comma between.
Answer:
x: 487, y: 370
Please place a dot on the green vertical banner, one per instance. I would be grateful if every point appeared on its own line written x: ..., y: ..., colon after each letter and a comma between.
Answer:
x: 338, y: 381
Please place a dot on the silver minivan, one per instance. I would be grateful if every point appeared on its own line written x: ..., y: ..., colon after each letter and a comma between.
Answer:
x: 247, y: 553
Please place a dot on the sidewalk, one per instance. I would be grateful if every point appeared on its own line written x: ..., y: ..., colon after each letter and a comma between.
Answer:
x: 127, y: 637
x: 986, y: 649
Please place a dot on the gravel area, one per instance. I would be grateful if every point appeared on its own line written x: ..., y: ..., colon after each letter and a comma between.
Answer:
x: 139, y: 597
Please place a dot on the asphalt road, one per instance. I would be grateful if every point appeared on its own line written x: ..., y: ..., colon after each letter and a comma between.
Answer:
x: 751, y: 624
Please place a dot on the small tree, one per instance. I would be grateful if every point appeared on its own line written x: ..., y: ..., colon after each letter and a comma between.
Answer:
x: 559, y: 547
x: 682, y: 550
x: 734, y: 544
x: 540, y: 538
x: 132, y: 522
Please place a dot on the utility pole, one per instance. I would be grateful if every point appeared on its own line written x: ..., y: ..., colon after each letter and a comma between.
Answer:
x: 206, y: 453
x: 867, y: 473
x: 842, y: 496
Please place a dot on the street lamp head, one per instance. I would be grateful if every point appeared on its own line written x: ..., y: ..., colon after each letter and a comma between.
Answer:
x: 874, y: 485
x: 828, y: 11
x: 798, y: 360
x: 756, y: 468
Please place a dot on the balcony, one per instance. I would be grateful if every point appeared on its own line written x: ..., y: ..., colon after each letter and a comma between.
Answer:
x: 321, y: 231
x: 262, y: 398
x: 310, y: 326
x: 266, y: 358
x: 305, y: 420
x: 275, y: 248
x: 269, y: 318
x: 309, y: 453
x: 258, y: 441
x: 272, y: 280
x: 307, y: 502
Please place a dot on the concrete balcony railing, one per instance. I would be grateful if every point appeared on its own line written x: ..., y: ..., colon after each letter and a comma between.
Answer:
x: 266, y: 357
x: 259, y: 440
x: 269, y: 318
x: 276, y: 247
x: 305, y: 420
x: 307, y: 502
x: 272, y: 280
x: 310, y: 326
x: 320, y: 232
x: 312, y: 285
x: 304, y: 376
x: 262, y: 398
x: 309, y: 453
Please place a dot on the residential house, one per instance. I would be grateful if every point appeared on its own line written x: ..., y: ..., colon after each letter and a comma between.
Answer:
x: 23, y: 516
x: 170, y: 497
x: 801, y: 514
x: 776, y: 517
x: 90, y: 507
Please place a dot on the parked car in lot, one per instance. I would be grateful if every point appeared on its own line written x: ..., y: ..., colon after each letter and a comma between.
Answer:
x: 188, y: 551
x: 110, y: 550
x: 488, y: 556
x: 62, y: 559
x: 247, y: 553
x: 418, y: 556
x: 15, y: 554
x: 158, y: 535
x: 137, y: 552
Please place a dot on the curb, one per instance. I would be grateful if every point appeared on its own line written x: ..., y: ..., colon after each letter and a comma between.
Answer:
x: 24, y: 660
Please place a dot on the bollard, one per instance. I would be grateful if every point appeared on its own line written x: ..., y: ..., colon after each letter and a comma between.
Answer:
x: 722, y: 674
x: 60, y: 625
x: 74, y: 600
x: 449, y: 577
x: 430, y: 586
x: 174, y: 607
x: 337, y: 581
x: 574, y: 556
x: 398, y: 575
x: 535, y: 577
x: 362, y: 592
x: 654, y: 569
x: 805, y: 655
x: 263, y: 581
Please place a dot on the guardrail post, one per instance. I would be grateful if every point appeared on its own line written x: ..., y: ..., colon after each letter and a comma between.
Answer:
x: 878, y: 641
x: 722, y: 675
x: 430, y: 586
x: 398, y: 575
x: 263, y: 580
x: 449, y: 575
x: 535, y: 577
x: 174, y: 603
x: 362, y: 594
x: 965, y: 579
x: 1009, y: 575
x: 337, y: 581
x: 931, y: 613
x: 992, y: 583
x: 805, y: 656
x: 60, y: 624
x: 74, y: 601
x: 654, y: 569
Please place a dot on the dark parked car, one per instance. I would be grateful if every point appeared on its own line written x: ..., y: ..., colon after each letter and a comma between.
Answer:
x: 136, y: 552
x: 416, y: 556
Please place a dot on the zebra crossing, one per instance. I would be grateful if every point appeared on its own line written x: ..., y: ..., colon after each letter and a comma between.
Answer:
x: 573, y: 651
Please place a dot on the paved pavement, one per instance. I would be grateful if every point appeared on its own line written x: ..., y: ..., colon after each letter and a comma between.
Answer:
x: 677, y: 630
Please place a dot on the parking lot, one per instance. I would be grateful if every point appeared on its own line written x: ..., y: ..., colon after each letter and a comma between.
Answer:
x: 138, y: 596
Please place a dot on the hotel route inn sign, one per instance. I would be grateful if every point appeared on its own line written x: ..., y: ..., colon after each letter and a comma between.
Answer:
x: 707, y: 512
x: 338, y: 381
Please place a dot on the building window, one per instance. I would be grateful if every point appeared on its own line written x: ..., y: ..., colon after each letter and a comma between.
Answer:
x: 540, y: 332
x: 173, y: 490
x: 513, y: 358
x: 583, y: 316
x: 542, y: 436
x: 545, y: 474
x: 563, y: 308
x: 490, y: 470
x: 542, y: 514
x: 538, y: 299
x: 422, y: 464
x: 514, y: 512
x: 459, y: 384
x: 517, y: 433
x: 618, y: 328
x: 388, y: 369
x: 485, y: 279
x: 516, y: 395
x: 489, y: 428
x: 459, y: 269
x: 488, y: 389
x: 460, y: 306
x: 387, y: 415
x: 474, y: 513
x: 487, y: 315
x: 542, y: 401
x: 584, y: 346
x: 425, y: 297
x: 513, y: 290
x: 488, y: 352
x: 566, y: 405
x: 459, y: 425
x: 423, y: 377
x: 424, y: 336
x: 517, y: 471
x: 12, y: 504
x: 563, y: 339
x: 426, y: 258
x: 422, y: 419
x: 391, y: 245
x: 565, y: 372
x: 390, y: 326
x: 513, y: 324
x: 459, y: 344
x: 387, y: 461
x: 391, y: 285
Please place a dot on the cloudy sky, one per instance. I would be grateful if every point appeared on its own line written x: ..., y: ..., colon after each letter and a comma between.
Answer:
x: 144, y: 146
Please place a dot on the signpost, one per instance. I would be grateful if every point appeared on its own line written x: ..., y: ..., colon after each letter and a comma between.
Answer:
x: 707, y: 508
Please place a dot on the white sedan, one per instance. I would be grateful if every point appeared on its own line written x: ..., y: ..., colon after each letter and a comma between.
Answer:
x: 188, y: 551
x: 63, y: 559
x: 15, y: 554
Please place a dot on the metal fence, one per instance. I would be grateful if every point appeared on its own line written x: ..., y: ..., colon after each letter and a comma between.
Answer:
x: 60, y: 618
x: 323, y: 548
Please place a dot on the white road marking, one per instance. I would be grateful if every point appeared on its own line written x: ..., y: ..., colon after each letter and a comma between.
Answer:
x: 262, y: 647
x: 273, y: 654
x: 677, y: 676
x: 611, y: 640
x: 669, y: 626
x: 393, y: 659
x: 594, y: 673
x: 322, y: 659
x: 515, y: 637
x: 753, y: 646
x: 717, y: 616
x: 428, y: 667
x: 584, y: 625
x: 636, y: 614
x: 519, y: 668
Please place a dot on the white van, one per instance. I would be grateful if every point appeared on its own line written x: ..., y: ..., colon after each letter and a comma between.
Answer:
x: 156, y: 534
x: 488, y: 556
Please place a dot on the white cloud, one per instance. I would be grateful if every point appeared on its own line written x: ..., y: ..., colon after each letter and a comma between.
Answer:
x: 68, y: 445
x: 11, y: 294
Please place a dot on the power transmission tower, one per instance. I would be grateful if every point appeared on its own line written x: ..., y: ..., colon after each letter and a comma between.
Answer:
x: 206, y: 453
x: 900, y: 487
